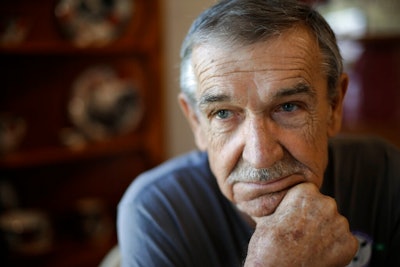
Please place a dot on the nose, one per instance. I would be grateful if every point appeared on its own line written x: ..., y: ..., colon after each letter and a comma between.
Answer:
x: 261, y: 145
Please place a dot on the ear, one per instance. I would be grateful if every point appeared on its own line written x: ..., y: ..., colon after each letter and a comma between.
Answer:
x: 194, y: 122
x: 335, y: 121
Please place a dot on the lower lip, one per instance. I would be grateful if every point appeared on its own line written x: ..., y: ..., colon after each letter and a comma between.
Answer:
x: 281, y: 183
x: 254, y: 189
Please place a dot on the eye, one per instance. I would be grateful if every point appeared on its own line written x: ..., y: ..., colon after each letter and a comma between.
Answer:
x: 289, y: 107
x: 291, y: 114
x: 223, y: 114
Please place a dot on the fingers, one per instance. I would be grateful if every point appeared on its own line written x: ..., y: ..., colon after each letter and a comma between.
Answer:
x: 306, y: 228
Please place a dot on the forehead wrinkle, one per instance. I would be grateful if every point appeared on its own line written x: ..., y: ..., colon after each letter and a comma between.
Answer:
x: 303, y: 68
x: 255, y: 71
x: 205, y: 66
x: 296, y: 74
x: 214, y: 94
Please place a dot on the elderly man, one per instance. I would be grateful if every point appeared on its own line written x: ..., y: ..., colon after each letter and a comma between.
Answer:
x: 263, y: 88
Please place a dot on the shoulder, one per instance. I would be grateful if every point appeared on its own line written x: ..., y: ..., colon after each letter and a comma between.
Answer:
x: 366, y: 162
x: 360, y: 147
x: 361, y: 161
x: 155, y: 211
x: 171, y: 176
x: 360, y: 141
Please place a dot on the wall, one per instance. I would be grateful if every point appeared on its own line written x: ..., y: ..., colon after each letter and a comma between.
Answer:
x: 178, y: 16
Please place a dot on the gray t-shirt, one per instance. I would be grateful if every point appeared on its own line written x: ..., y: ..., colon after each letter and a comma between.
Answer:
x: 175, y: 215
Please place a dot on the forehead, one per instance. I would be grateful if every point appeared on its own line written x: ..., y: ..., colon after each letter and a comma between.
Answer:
x: 294, y: 54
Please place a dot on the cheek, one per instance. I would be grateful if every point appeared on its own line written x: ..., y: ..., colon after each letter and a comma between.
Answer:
x: 311, y: 151
x: 308, y: 145
x: 221, y: 167
x: 224, y: 153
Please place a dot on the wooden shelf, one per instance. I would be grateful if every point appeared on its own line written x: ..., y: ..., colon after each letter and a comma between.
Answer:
x: 62, y: 154
x: 65, y: 48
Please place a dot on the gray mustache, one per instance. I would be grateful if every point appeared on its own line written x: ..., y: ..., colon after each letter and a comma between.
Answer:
x: 243, y: 172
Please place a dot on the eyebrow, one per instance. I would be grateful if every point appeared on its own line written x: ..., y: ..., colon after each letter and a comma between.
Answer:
x: 213, y: 98
x: 300, y: 88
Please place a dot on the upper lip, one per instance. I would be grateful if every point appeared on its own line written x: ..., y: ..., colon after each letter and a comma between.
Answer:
x: 276, y: 184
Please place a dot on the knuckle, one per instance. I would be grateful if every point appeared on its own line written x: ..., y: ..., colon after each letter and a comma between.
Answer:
x: 304, y: 190
x: 330, y: 205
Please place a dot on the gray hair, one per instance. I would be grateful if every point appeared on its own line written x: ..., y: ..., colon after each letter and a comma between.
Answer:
x: 246, y: 22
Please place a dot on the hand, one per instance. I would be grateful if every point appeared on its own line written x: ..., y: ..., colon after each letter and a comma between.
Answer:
x: 305, y: 230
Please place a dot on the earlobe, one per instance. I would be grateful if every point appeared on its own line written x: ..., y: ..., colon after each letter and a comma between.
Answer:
x: 337, y: 106
x: 194, y: 122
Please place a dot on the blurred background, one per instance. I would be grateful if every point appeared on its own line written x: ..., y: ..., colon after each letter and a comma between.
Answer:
x: 89, y: 100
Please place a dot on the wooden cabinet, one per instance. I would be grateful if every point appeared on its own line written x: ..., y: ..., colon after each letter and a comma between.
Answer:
x: 372, y: 100
x: 39, y: 66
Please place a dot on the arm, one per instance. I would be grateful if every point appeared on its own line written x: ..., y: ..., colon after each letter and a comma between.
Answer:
x: 305, y: 230
x: 142, y: 241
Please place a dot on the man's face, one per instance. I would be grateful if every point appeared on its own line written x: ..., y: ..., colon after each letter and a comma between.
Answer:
x: 264, y: 117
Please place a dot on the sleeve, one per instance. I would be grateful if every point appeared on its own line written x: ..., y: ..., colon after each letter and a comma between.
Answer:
x: 159, y: 224
x: 393, y: 156
x: 147, y: 234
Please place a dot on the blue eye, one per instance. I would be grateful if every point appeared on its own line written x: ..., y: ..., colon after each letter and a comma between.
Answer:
x: 289, y: 107
x: 223, y: 114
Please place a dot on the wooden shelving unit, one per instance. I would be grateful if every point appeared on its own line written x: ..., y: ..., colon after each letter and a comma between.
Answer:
x: 37, y: 75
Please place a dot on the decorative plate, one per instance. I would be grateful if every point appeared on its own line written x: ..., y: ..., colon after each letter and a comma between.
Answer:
x: 93, y: 22
x: 13, y: 30
x: 103, y: 104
